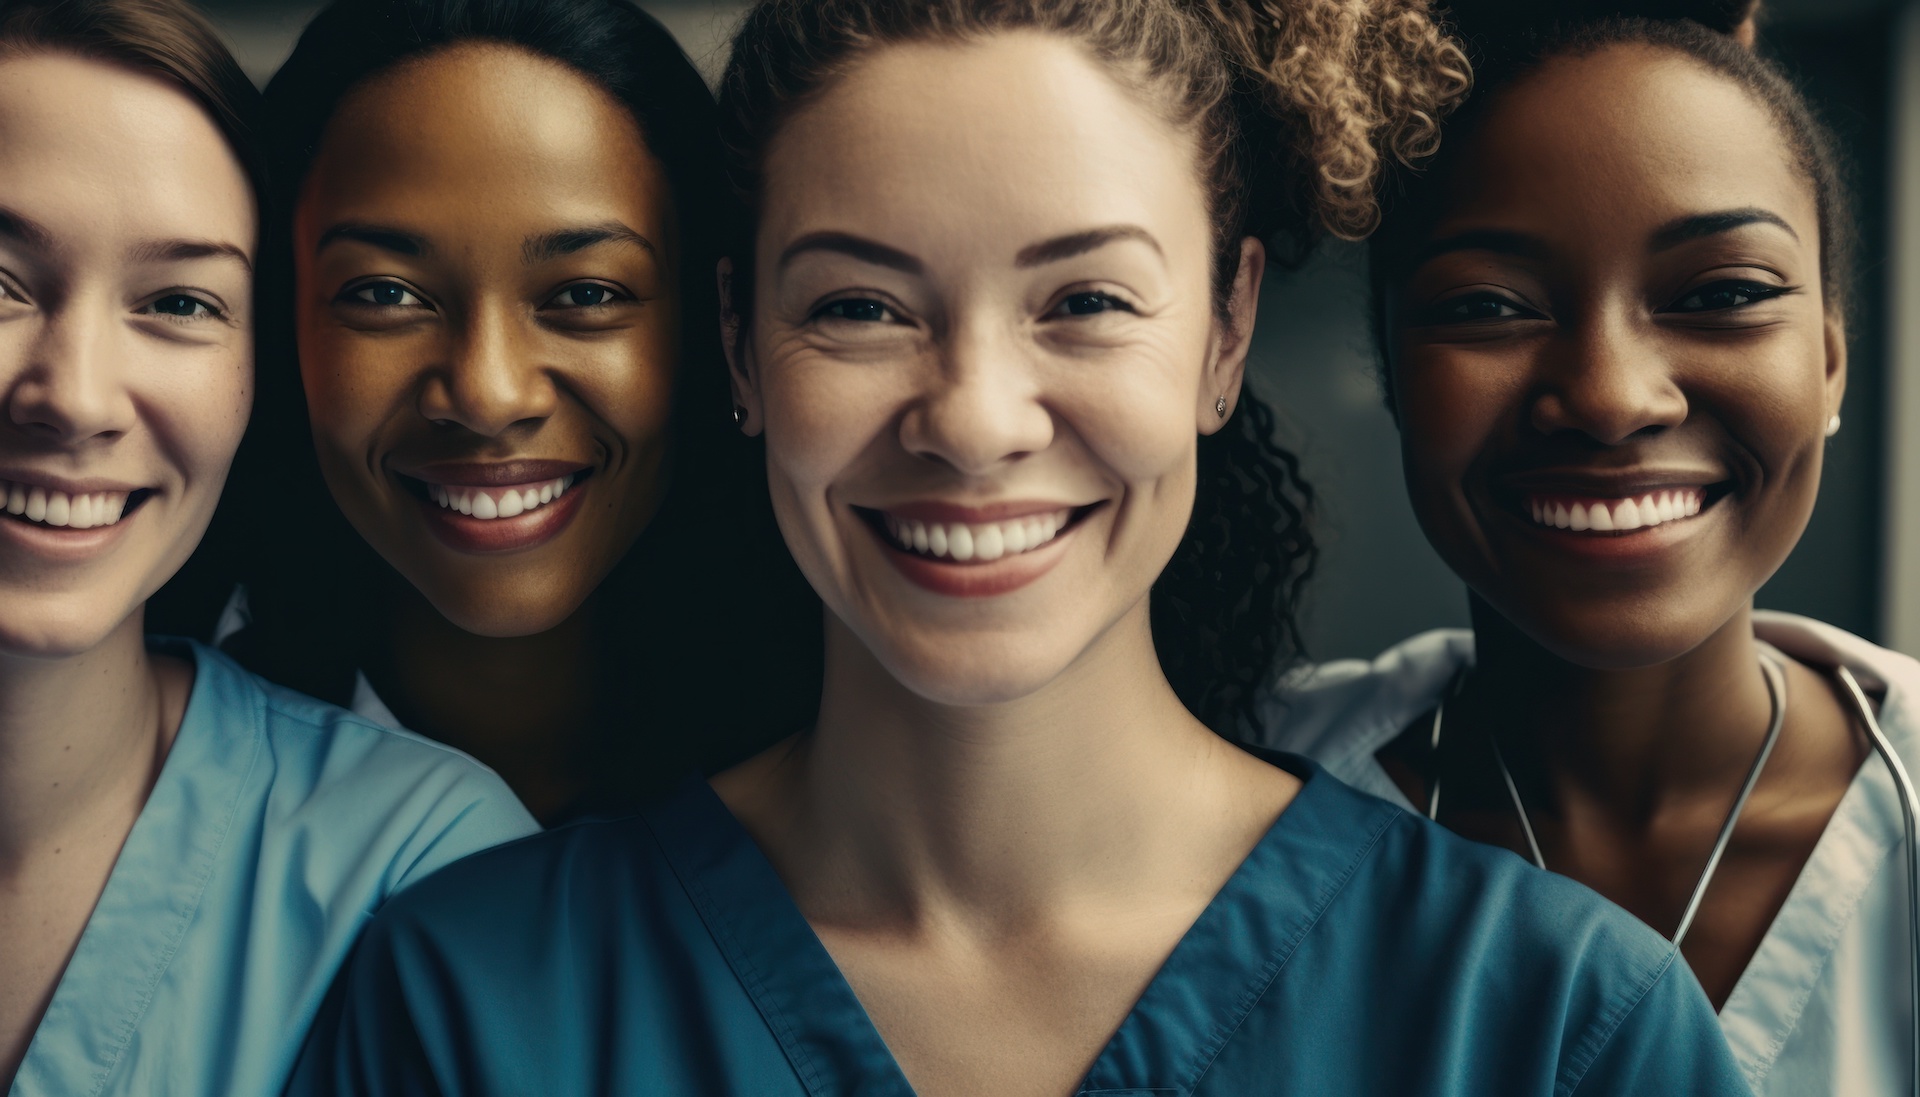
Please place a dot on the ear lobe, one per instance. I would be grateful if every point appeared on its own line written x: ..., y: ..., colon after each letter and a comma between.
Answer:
x: 1232, y: 338
x: 734, y: 344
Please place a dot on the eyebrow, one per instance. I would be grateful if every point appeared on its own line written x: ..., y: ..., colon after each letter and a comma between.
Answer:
x: 859, y: 247
x: 1079, y: 243
x: 24, y: 229
x: 553, y: 245
x: 1693, y: 227
x: 175, y: 251
x: 1498, y: 241
x: 384, y: 237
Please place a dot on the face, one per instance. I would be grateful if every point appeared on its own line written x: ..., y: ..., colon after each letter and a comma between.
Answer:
x: 488, y: 325
x: 1615, y: 367
x: 126, y: 356
x: 984, y: 344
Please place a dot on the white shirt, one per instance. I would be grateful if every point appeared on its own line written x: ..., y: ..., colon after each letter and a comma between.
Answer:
x: 1824, y: 1007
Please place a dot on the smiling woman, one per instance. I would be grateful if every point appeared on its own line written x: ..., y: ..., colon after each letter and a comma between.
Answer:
x: 1616, y: 350
x: 167, y: 821
x: 489, y: 256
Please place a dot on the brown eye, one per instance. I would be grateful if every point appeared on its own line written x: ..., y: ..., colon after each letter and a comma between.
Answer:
x: 382, y: 295
x: 1089, y: 304
x: 1726, y: 295
x: 858, y: 309
x: 584, y: 295
x: 1474, y: 308
x: 183, y: 306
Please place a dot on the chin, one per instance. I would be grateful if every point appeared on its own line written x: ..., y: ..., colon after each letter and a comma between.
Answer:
x: 483, y: 614
x: 56, y: 627
x: 973, y: 671
x: 1616, y: 637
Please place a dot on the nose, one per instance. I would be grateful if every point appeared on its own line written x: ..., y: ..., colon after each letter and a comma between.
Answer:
x: 68, y: 386
x: 1607, y: 381
x: 492, y: 379
x: 983, y: 407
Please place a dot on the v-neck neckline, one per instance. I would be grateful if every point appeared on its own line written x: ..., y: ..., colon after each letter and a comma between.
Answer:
x: 1215, y: 975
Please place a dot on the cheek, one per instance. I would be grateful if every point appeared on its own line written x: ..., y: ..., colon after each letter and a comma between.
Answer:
x: 627, y: 382
x: 821, y: 416
x: 202, y: 414
x: 1449, y: 410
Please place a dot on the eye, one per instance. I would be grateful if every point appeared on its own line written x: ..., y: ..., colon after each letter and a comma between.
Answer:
x: 1726, y: 295
x: 1089, y: 304
x: 860, y: 310
x: 1475, y: 308
x: 381, y: 295
x: 584, y: 295
x: 185, y: 307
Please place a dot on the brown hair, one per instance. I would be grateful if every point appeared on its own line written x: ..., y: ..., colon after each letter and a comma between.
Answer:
x: 1294, y: 106
x: 165, y: 38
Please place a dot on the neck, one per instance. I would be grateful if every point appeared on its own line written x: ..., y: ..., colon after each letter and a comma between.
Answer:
x: 82, y: 738
x: 522, y: 704
x: 1635, y: 739
x: 1004, y: 808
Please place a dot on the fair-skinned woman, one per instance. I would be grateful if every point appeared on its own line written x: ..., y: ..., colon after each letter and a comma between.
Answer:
x: 993, y: 328
x: 1614, y: 390
x: 142, y: 870
x: 498, y: 220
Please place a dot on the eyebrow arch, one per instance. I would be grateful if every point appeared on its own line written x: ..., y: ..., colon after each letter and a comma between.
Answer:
x: 1693, y: 227
x: 859, y: 247
x: 25, y: 230
x: 553, y: 245
x: 398, y: 241
x: 1498, y: 241
x: 1079, y: 243
x: 174, y: 251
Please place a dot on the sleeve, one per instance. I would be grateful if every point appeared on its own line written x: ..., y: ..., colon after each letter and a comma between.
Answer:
x: 1668, y: 1043
x: 368, y: 1038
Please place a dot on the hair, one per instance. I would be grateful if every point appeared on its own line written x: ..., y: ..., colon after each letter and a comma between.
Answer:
x: 1295, y: 105
x: 164, y: 38
x: 1512, y: 47
x: 703, y: 561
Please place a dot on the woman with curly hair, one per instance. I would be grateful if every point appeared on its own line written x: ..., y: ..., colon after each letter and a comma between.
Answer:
x: 992, y: 328
x: 1616, y: 352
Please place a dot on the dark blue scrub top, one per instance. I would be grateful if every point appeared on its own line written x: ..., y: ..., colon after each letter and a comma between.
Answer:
x: 1358, y: 950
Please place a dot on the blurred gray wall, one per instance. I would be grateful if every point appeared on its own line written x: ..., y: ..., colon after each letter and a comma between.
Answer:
x: 1378, y: 580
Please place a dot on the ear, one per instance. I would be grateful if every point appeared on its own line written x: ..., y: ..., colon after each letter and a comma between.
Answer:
x: 1232, y: 336
x: 1746, y: 32
x: 735, y: 343
x: 1836, y: 363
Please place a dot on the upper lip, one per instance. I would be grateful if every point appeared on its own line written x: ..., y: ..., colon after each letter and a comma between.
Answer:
x: 491, y: 474
x: 930, y: 510
x: 92, y: 485
x: 1609, y: 483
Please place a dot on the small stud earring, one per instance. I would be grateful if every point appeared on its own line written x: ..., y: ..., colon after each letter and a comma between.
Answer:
x: 739, y: 415
x: 1833, y: 426
x: 1220, y: 407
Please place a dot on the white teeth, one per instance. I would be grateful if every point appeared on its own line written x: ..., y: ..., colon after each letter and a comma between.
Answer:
x: 983, y: 541
x: 488, y: 503
x: 1613, y: 516
x: 57, y: 508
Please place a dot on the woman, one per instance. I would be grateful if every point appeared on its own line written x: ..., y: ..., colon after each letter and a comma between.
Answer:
x: 992, y: 328
x: 186, y: 852
x: 1614, y: 388
x: 500, y: 219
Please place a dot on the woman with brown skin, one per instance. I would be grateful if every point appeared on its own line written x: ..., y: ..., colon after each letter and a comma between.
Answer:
x: 992, y: 327
x: 1615, y: 350
x: 489, y: 245
x: 187, y: 853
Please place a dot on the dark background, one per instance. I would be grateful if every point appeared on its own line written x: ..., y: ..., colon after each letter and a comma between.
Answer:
x: 1379, y: 581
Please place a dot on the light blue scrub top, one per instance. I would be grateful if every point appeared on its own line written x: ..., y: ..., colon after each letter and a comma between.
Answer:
x: 1359, y: 950
x: 277, y: 826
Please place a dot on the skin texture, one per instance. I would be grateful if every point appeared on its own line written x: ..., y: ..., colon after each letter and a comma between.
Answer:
x: 1003, y: 821
x: 487, y: 256
x: 126, y: 357
x: 1589, y: 322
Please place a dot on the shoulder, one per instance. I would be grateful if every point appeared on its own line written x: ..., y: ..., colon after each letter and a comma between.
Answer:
x: 366, y: 788
x: 1892, y: 677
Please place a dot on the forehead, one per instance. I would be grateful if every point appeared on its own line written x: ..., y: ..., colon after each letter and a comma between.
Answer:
x: 94, y: 151
x: 1011, y: 135
x: 1629, y: 137
x: 482, y: 135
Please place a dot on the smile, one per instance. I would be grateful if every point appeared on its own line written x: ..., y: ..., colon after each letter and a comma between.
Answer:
x: 487, y: 504
x: 43, y: 506
x: 968, y: 542
x: 1587, y: 514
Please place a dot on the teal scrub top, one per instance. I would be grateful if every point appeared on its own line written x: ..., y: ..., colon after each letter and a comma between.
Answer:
x: 276, y: 828
x: 1359, y: 950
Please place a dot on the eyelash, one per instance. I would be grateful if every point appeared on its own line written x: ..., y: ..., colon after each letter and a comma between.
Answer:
x: 1754, y: 292
x: 614, y: 296
x: 213, y: 311
x: 351, y: 295
x: 827, y: 311
x: 1109, y: 302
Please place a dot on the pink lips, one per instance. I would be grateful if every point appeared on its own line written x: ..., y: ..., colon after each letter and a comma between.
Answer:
x: 973, y: 551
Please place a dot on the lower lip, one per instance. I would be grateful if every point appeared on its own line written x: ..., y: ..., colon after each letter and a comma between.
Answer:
x: 1002, y: 576
x: 1643, y: 545
x: 465, y: 533
x: 61, y: 543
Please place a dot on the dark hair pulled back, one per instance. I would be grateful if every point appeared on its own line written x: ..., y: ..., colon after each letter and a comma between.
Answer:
x: 1511, y: 39
x: 1294, y: 105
